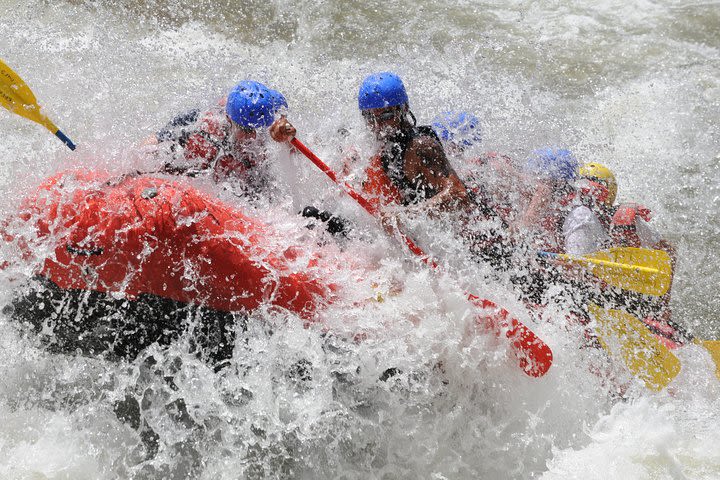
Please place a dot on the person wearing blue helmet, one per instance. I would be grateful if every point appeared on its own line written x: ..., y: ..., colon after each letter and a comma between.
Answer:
x: 458, y: 130
x: 224, y: 139
x: 411, y: 169
x: 410, y: 166
x: 491, y: 177
x: 556, y: 218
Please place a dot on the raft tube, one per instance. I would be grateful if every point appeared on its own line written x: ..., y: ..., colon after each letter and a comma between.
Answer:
x: 161, y: 242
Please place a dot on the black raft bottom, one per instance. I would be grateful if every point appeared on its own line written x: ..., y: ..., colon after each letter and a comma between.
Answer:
x: 95, y: 323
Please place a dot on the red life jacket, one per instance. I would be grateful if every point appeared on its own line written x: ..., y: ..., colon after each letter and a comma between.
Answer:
x: 209, y: 144
x: 623, y: 227
x: 619, y: 221
x: 378, y: 187
x: 594, y: 195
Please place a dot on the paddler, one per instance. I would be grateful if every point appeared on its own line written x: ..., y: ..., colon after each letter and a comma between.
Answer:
x: 554, y: 220
x: 491, y: 176
x: 410, y: 168
x: 628, y: 225
x: 575, y: 214
x: 228, y: 139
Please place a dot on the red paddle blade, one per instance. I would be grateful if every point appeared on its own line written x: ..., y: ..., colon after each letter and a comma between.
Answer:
x: 533, y: 355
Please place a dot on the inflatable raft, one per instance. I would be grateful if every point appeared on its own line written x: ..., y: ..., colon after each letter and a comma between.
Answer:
x: 144, y: 256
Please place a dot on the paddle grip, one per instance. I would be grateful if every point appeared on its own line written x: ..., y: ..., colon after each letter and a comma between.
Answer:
x: 65, y: 139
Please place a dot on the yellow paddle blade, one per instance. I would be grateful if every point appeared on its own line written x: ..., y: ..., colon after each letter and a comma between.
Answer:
x: 623, y: 335
x: 637, y: 269
x: 712, y: 346
x: 17, y: 97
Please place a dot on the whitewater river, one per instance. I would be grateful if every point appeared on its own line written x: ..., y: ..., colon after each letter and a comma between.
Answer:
x: 634, y: 85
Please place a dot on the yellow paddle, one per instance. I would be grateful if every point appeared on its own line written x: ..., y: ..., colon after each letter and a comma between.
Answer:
x: 712, y: 346
x: 623, y: 335
x: 638, y: 269
x: 17, y: 97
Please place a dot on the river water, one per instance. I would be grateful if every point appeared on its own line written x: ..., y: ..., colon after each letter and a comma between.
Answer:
x: 634, y: 85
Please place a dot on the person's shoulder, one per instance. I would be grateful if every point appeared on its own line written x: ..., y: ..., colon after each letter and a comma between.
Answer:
x: 428, y: 146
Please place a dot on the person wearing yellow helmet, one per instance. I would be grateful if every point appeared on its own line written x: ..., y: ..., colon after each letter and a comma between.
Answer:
x: 627, y: 225
x: 599, y: 173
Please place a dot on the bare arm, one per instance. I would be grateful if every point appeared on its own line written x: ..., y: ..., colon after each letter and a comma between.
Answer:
x: 425, y: 160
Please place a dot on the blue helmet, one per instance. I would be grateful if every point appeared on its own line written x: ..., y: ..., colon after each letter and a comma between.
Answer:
x: 555, y: 163
x: 278, y: 100
x: 380, y: 90
x: 251, y: 104
x: 462, y: 128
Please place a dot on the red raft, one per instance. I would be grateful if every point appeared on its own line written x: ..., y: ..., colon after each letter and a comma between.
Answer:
x: 162, y: 242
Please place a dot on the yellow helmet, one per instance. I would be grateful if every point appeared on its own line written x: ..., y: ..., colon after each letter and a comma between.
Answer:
x: 598, y: 172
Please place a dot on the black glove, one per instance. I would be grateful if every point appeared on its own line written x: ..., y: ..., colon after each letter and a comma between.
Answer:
x: 334, y: 224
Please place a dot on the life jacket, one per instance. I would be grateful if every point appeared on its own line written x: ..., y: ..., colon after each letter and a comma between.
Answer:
x: 205, y: 140
x: 619, y: 221
x: 623, y: 227
x: 594, y: 196
x: 387, y: 181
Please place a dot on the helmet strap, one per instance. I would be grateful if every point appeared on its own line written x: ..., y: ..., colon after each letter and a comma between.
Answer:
x: 414, y: 120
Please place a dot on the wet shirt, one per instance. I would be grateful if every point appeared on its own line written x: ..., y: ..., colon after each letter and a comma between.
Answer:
x: 582, y: 232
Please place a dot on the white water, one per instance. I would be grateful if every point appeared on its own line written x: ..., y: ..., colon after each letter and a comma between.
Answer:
x: 636, y: 86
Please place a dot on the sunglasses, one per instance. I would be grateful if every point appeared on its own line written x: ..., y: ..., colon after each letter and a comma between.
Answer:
x: 601, y: 181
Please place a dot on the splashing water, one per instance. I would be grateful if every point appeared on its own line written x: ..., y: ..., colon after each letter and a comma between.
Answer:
x: 633, y: 85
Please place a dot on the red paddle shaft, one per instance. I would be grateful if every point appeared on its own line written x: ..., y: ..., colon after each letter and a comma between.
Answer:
x: 534, y: 356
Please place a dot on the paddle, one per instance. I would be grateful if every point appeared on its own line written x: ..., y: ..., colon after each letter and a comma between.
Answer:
x: 713, y: 347
x: 621, y: 334
x: 534, y: 356
x: 646, y: 357
x: 638, y: 269
x: 17, y: 97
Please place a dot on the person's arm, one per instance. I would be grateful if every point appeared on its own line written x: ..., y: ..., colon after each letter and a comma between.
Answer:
x: 541, y: 197
x: 425, y: 159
